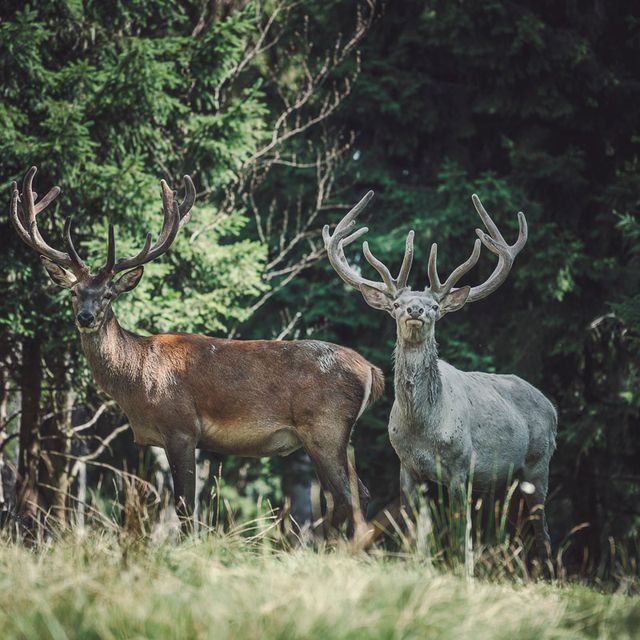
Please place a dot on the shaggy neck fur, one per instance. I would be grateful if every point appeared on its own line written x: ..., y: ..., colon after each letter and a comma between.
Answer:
x: 417, y: 378
x: 112, y: 355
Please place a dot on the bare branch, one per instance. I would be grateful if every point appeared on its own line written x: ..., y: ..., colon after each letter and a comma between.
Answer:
x: 96, y: 416
x: 96, y: 453
x: 292, y: 323
x: 7, y: 440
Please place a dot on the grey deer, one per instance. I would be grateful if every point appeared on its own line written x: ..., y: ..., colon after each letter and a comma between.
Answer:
x: 444, y: 421
x: 185, y: 391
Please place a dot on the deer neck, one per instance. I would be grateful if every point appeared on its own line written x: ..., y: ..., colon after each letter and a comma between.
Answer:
x: 418, y: 386
x: 112, y: 355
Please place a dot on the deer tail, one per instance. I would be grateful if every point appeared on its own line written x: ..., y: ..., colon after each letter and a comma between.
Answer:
x: 377, y: 384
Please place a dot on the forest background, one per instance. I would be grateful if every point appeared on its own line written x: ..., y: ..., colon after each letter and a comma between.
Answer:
x: 286, y: 113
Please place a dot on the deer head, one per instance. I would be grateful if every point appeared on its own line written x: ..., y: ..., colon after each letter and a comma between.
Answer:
x: 92, y: 293
x: 416, y: 312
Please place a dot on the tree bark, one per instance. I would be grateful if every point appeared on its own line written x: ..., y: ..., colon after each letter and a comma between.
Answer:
x: 27, y: 495
x: 3, y: 436
x: 56, y: 439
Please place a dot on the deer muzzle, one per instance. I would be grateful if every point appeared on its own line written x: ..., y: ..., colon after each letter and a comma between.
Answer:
x: 85, y: 318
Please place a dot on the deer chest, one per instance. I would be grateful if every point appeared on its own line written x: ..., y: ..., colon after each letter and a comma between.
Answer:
x: 436, y: 450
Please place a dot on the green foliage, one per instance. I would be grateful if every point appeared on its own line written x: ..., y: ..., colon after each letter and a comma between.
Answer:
x: 105, y: 110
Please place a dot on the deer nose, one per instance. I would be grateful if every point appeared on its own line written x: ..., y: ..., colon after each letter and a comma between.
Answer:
x: 415, y: 312
x: 85, y: 318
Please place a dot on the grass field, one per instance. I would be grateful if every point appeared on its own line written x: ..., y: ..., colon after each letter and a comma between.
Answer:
x: 226, y: 586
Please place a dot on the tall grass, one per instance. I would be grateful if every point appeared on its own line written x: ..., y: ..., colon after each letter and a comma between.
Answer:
x: 477, y: 536
x: 241, y: 584
x: 445, y: 572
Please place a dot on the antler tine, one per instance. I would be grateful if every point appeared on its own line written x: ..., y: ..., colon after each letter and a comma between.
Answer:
x: 24, y: 210
x: 189, y: 200
x: 381, y: 268
x: 350, y: 218
x: 171, y: 212
x: 496, y: 243
x: 140, y: 258
x: 170, y: 225
x: 353, y: 237
x: 46, y: 200
x: 435, y: 285
x: 335, y: 250
x: 341, y: 237
x: 15, y: 216
x: 27, y: 196
x: 111, y: 251
x: 407, y: 261
x: 432, y: 270
x: 73, y: 254
x: 175, y: 216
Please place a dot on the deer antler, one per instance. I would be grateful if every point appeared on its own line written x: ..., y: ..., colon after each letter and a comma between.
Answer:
x: 435, y: 286
x: 495, y: 243
x: 23, y: 212
x: 343, y: 236
x: 175, y: 216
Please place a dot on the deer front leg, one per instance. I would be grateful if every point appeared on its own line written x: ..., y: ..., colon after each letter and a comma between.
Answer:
x: 416, y: 509
x: 408, y: 493
x: 181, y: 453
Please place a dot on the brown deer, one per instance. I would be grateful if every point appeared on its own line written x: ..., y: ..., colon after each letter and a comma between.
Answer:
x: 445, y: 423
x: 184, y: 391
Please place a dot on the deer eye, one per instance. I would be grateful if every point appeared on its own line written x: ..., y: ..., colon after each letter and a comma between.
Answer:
x: 396, y: 305
x: 435, y: 306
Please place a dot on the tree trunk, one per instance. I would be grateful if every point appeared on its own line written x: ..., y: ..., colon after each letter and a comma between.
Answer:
x: 3, y: 436
x: 27, y: 497
x: 56, y: 438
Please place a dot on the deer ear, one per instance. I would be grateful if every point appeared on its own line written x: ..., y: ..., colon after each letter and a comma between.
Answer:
x: 128, y: 281
x: 454, y: 301
x: 58, y: 274
x: 375, y: 298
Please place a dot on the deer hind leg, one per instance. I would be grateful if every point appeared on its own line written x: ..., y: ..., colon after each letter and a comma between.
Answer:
x: 535, y: 497
x: 181, y: 453
x: 336, y: 474
x: 363, y: 493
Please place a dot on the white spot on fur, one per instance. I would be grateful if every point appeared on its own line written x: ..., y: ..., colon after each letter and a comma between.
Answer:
x: 325, y: 355
x: 213, y: 348
x: 527, y: 487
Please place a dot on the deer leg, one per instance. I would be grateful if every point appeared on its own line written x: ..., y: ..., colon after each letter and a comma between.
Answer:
x: 535, y: 498
x: 181, y: 453
x: 410, y: 501
x: 363, y: 493
x: 415, y: 509
x: 334, y: 479
x: 330, y: 462
x: 408, y: 493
